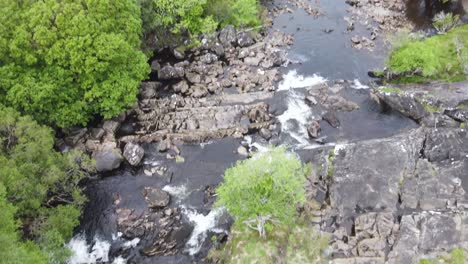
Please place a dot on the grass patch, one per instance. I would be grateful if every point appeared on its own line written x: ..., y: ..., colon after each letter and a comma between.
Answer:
x: 457, y: 256
x: 390, y: 90
x: 298, y: 243
x: 443, y: 57
x: 431, y: 108
x: 331, y: 167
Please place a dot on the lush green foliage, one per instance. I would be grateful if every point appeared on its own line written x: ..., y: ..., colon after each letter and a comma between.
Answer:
x: 440, y: 57
x: 197, y: 16
x: 444, y: 22
x: 63, y: 61
x: 39, y: 186
x: 457, y: 256
x: 264, y: 189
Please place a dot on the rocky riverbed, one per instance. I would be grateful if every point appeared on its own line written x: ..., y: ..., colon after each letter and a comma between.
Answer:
x: 390, y: 162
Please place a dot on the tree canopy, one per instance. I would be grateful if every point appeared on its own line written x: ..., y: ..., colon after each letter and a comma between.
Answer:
x: 264, y: 189
x: 39, y: 191
x: 64, y: 61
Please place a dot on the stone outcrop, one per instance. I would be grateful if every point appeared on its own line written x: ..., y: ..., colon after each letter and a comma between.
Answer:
x: 432, y: 105
x: 396, y: 199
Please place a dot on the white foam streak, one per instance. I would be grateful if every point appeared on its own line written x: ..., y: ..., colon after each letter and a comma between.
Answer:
x: 178, y: 192
x: 358, y: 85
x: 202, y: 224
x: 82, y: 253
x: 299, y: 111
x: 294, y: 80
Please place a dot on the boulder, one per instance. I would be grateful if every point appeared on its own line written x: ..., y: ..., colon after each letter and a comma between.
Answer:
x: 75, y: 135
x: 209, y: 58
x: 133, y: 153
x: 178, y: 53
x: 228, y: 36
x: 181, y: 87
x: 156, y: 198
x: 245, y: 39
x: 108, y: 157
x: 148, y: 89
x: 330, y: 118
x: 314, y: 129
x: 169, y: 72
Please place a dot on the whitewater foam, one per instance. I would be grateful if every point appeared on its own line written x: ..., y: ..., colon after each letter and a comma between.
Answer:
x: 202, y: 225
x: 358, y: 85
x: 82, y: 253
x: 293, y: 80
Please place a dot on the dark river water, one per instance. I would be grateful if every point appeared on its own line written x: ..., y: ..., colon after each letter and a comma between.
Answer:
x: 321, y: 57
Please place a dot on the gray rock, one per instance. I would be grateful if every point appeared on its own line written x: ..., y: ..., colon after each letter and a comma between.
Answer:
x: 111, y: 126
x: 178, y: 53
x: 148, y: 89
x: 75, y: 135
x: 181, y: 87
x: 265, y: 133
x: 133, y: 153
x: 242, y: 151
x: 228, y: 36
x: 245, y: 39
x: 331, y: 119
x: 193, y: 77
x: 252, y: 61
x: 156, y: 198
x: 155, y: 66
x: 108, y: 157
x: 163, y: 145
x: 97, y: 133
x: 199, y: 91
x: 169, y: 72
x: 314, y: 129
x: 372, y: 171
x: 279, y: 57
x: 209, y: 58
x: 218, y: 49
x: 432, y: 104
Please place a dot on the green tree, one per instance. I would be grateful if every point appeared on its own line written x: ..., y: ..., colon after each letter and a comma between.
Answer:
x: 264, y: 190
x: 39, y: 185
x: 64, y: 61
x: 12, y: 249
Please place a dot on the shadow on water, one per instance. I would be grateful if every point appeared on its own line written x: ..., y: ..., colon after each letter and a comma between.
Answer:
x: 421, y: 12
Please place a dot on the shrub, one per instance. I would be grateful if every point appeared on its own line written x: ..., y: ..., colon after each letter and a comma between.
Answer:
x: 196, y: 16
x: 264, y: 190
x: 65, y: 61
x: 439, y: 57
x: 444, y: 22
x: 37, y: 184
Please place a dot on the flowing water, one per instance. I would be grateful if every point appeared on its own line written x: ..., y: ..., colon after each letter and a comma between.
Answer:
x: 321, y: 57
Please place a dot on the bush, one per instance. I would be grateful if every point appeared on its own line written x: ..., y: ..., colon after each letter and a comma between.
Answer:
x: 196, y: 16
x: 39, y: 185
x: 264, y: 190
x: 65, y: 61
x: 439, y: 57
x: 444, y: 22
